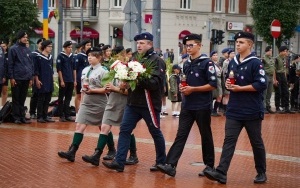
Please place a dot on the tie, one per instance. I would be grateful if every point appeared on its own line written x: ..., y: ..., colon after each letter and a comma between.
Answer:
x: 89, y: 72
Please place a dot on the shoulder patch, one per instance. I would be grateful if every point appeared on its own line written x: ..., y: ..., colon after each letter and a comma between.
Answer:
x: 211, y: 69
x: 262, y: 72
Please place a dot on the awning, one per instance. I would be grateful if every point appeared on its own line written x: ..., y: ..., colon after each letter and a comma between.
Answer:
x: 87, y: 33
x: 39, y: 31
x: 183, y: 33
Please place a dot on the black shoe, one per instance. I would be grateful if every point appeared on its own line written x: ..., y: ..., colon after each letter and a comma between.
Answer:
x: 270, y: 111
x: 216, y: 176
x: 62, y: 119
x: 69, y: 119
x: 167, y: 169
x: 132, y: 160
x: 93, y: 159
x: 33, y: 116
x: 288, y: 111
x: 69, y: 155
x: 266, y: 111
x: 23, y: 120
x: 215, y: 114
x: 154, y: 168
x: 114, y: 165
x: 41, y: 120
x: 165, y: 113
x: 110, y: 155
x: 49, y: 120
x: 17, y: 122
x: 207, y: 168
x: 260, y: 178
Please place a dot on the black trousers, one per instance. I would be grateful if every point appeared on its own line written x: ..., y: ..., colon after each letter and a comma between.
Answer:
x: 281, y: 91
x: 186, y: 121
x: 232, y: 132
x: 64, y: 99
x: 19, y: 94
x: 43, y: 104
x: 33, y: 102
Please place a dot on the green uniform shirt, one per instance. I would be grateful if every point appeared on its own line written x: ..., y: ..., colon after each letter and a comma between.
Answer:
x: 269, y: 65
x: 280, y: 64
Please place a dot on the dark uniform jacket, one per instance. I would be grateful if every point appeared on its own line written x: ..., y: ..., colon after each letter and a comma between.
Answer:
x: 2, y: 64
x: 66, y: 65
x: 155, y: 85
x: 81, y: 61
x: 199, y: 72
x: 247, y: 105
x: 44, y: 70
x: 20, y: 65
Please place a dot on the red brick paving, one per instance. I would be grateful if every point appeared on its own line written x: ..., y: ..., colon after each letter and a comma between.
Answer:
x: 29, y: 157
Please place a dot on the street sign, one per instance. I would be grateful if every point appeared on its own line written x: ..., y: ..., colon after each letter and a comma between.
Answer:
x: 275, y: 28
x: 130, y: 7
x: 130, y: 29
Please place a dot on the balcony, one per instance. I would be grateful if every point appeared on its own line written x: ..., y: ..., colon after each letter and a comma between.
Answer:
x: 74, y: 14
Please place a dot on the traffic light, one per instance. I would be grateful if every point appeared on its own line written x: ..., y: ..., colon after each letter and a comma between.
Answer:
x: 115, y: 32
x: 214, y: 39
x: 220, y: 37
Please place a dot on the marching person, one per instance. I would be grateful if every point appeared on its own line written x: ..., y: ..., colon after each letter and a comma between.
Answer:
x: 196, y: 106
x: 143, y: 103
x: 93, y: 102
x: 245, y: 109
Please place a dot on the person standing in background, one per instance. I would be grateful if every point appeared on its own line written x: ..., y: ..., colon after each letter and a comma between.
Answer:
x: 4, y: 92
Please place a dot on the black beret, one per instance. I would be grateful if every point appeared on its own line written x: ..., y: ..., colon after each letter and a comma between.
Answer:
x: 78, y: 45
x: 105, y: 47
x: 229, y: 51
x: 45, y: 43
x: 296, y: 57
x: 117, y: 49
x: 176, y: 66
x: 212, y: 53
x: 128, y: 50
x: 143, y: 36
x: 84, y: 42
x: 67, y: 43
x: 268, y: 48
x: 192, y: 37
x: 282, y: 48
x: 21, y: 34
x: 40, y: 40
x: 225, y: 50
x: 243, y: 34
x: 2, y: 42
x: 100, y: 45
x: 93, y: 49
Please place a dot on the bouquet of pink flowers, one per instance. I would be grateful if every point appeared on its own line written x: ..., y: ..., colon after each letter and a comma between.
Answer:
x: 129, y: 72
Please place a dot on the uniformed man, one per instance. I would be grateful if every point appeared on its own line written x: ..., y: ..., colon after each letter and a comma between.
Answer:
x: 280, y: 82
x: 294, y: 82
x: 269, y: 65
x: 245, y: 109
x: 20, y: 73
x: 201, y: 79
x: 4, y: 88
x: 2, y: 69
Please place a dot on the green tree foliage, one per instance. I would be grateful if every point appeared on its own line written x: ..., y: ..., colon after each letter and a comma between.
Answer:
x: 265, y: 11
x: 16, y: 15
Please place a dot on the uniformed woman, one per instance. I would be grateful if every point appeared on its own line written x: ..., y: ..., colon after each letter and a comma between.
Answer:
x: 93, y: 102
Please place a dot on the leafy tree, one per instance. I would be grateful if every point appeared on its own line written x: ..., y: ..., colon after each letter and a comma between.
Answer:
x: 265, y: 11
x: 16, y: 15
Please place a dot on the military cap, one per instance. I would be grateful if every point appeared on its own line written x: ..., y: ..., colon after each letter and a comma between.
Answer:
x: 67, y: 43
x: 84, y: 42
x: 2, y: 42
x: 40, y: 40
x: 225, y: 50
x: 144, y: 36
x: 117, y: 49
x: 78, y: 45
x: 93, y: 49
x: 105, y: 47
x: 45, y: 43
x: 100, y: 45
x: 212, y: 53
x: 282, y: 48
x: 192, y: 37
x: 243, y: 34
x: 229, y: 51
x: 268, y: 48
x: 296, y: 56
x: 21, y: 34
x: 176, y: 67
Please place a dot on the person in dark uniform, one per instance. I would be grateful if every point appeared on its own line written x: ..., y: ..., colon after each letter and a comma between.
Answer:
x: 196, y: 106
x: 66, y: 78
x: 2, y: 67
x: 43, y: 75
x: 34, y: 96
x: 81, y: 62
x: 294, y: 82
x: 143, y: 103
x: 4, y: 92
x: 280, y: 82
x: 20, y: 73
x: 245, y: 109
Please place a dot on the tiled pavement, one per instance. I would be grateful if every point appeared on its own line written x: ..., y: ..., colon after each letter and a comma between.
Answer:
x: 29, y: 158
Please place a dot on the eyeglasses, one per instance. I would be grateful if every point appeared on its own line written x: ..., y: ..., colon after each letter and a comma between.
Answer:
x: 190, y: 45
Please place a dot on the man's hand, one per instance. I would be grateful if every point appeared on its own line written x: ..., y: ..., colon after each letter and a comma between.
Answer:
x: 186, y: 90
x: 62, y: 84
x: 13, y: 82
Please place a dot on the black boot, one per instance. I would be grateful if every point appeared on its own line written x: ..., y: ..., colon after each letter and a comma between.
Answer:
x: 93, y: 159
x: 69, y: 155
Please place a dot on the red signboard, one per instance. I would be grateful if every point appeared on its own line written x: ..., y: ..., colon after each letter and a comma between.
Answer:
x: 86, y: 33
x: 275, y: 28
x: 148, y: 18
x: 183, y: 33
x: 39, y: 31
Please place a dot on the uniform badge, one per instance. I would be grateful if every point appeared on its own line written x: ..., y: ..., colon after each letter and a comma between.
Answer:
x: 197, y: 74
x: 213, y: 78
x: 262, y: 72
x: 242, y: 77
x: 262, y: 80
x: 76, y: 60
x: 211, y: 69
x: 58, y: 61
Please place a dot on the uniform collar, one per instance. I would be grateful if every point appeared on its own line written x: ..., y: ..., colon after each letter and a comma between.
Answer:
x: 248, y: 58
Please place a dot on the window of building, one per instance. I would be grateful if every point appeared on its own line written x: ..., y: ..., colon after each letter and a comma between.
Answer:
x: 117, y: 3
x: 51, y: 3
x: 185, y: 4
x: 77, y: 3
x: 35, y: 1
x: 232, y: 6
x: 218, y: 5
